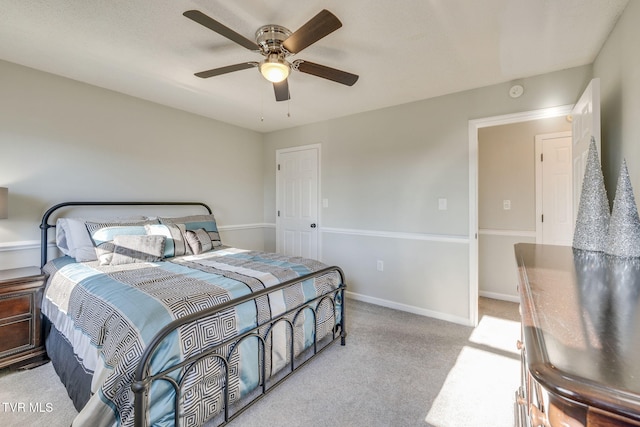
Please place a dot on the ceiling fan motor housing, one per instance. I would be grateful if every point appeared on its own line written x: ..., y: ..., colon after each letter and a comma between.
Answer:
x: 270, y: 39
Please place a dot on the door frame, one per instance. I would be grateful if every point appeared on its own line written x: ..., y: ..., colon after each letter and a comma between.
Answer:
x: 319, y: 194
x: 538, y: 151
x: 474, y: 126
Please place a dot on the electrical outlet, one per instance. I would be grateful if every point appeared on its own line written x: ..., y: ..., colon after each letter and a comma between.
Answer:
x: 442, y: 204
x: 380, y: 265
x: 506, y: 205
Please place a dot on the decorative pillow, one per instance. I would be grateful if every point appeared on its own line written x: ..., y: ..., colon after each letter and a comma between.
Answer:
x: 175, y: 244
x: 194, y: 222
x: 199, y: 240
x: 74, y: 240
x: 128, y: 249
x: 103, y: 233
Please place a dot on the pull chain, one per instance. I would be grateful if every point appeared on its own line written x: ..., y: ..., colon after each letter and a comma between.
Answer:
x: 288, y: 100
x: 262, y: 106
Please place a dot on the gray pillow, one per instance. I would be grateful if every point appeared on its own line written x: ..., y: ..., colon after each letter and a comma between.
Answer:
x: 200, y: 241
x: 129, y: 249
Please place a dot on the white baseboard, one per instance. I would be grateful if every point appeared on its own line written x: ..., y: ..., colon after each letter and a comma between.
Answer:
x: 409, y: 308
x: 503, y: 297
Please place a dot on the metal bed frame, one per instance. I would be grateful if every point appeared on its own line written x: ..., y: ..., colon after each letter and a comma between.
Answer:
x: 143, y: 378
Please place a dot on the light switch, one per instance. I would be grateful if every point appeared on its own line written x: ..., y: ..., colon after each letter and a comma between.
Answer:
x: 442, y: 204
x: 325, y: 203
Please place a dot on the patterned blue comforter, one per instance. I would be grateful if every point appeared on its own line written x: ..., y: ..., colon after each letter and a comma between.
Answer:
x: 109, y: 314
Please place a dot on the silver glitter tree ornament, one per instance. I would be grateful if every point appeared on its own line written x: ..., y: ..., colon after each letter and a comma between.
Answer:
x: 624, y: 228
x: 592, y: 223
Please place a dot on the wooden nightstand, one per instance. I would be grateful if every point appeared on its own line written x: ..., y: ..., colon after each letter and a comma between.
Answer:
x: 21, y: 338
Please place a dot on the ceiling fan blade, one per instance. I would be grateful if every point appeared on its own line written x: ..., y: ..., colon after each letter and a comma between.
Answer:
x: 225, y: 70
x: 325, y: 72
x: 319, y: 26
x: 224, y: 31
x: 282, y: 90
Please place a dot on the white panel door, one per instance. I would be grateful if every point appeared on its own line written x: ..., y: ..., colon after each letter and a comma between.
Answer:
x: 586, y: 123
x: 297, y: 202
x: 554, y: 198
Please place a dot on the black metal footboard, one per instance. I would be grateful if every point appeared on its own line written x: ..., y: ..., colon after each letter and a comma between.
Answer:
x: 175, y: 375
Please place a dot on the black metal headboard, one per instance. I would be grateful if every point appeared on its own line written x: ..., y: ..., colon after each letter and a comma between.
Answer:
x: 45, y: 226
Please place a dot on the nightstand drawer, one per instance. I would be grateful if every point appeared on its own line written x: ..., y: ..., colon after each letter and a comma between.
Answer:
x: 15, y: 336
x: 21, y: 333
x: 15, y: 306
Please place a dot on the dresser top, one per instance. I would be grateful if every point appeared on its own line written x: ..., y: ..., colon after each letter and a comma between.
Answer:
x: 581, y: 324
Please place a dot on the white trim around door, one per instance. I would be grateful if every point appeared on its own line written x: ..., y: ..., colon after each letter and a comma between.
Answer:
x: 474, y: 125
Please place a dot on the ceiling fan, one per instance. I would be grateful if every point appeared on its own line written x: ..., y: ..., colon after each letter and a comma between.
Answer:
x: 276, y: 43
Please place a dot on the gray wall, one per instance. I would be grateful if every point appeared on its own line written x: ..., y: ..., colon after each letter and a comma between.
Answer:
x: 383, y: 172
x: 64, y: 140
x: 618, y: 66
x: 506, y: 171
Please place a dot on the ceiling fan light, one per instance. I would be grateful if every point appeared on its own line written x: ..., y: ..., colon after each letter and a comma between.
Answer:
x: 274, y: 70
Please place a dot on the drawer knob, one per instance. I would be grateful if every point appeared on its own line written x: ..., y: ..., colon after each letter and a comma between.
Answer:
x: 538, y: 418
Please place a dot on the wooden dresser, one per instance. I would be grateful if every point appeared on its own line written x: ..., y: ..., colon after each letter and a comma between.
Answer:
x: 580, y: 338
x: 21, y: 342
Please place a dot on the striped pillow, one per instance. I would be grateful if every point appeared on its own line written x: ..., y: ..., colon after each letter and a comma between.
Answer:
x: 175, y: 244
x: 102, y: 233
x: 199, y: 240
x: 195, y: 222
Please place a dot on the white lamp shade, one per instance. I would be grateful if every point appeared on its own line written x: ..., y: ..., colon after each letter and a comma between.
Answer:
x: 4, y: 203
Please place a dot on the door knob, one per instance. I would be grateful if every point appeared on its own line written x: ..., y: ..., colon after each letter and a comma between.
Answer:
x: 313, y: 225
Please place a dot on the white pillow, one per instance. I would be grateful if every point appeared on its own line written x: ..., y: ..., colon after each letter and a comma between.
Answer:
x: 74, y: 240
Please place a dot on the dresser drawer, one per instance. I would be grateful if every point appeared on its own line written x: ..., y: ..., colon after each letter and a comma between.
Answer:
x: 15, y: 306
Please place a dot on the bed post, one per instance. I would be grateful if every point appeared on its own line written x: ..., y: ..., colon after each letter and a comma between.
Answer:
x: 343, y: 329
x: 44, y: 232
x: 140, y: 390
x: 43, y: 243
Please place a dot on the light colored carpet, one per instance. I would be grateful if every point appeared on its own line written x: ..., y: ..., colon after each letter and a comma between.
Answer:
x: 397, y: 369
x: 34, y: 398
x: 480, y: 387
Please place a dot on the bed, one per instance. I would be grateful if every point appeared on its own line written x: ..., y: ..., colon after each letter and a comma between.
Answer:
x: 152, y: 320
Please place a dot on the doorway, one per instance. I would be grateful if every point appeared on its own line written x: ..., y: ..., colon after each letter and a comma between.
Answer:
x: 474, y: 127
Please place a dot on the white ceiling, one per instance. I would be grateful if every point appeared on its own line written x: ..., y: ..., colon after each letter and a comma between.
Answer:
x: 403, y: 50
